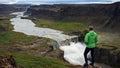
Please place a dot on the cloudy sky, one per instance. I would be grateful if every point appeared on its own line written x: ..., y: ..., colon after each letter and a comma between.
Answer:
x: 54, y: 1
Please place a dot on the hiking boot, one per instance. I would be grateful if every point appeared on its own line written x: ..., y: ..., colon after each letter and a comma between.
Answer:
x: 85, y: 65
x: 91, y: 64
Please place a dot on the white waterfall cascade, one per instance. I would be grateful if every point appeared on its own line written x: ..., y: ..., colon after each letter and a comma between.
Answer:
x: 73, y: 53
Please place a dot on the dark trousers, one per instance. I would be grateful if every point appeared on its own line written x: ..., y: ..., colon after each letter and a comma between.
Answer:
x: 92, y: 55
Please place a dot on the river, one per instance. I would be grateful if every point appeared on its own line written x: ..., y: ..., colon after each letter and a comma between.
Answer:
x: 73, y: 53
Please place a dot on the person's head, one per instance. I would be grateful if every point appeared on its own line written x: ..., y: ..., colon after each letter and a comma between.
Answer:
x: 90, y: 27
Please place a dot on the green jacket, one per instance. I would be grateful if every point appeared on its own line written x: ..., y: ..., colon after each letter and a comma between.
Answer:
x: 90, y: 39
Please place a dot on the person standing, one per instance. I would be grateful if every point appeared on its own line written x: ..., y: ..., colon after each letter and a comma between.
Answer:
x: 90, y: 40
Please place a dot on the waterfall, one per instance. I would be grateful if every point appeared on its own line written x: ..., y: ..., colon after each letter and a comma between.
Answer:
x: 27, y: 8
x: 73, y: 51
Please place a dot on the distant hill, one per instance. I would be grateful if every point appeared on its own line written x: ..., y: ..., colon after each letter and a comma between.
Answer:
x: 7, y: 9
x: 105, y: 16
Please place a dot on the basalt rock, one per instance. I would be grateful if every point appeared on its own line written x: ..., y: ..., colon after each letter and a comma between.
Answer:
x: 106, y: 56
x: 7, y: 9
x: 101, y: 15
x: 8, y: 61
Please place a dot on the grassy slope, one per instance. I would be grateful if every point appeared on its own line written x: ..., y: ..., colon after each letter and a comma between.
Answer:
x: 66, y: 27
x: 30, y: 61
x: 8, y: 44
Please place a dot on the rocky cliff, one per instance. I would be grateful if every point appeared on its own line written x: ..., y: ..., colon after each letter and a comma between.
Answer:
x: 105, y: 16
x: 108, y: 57
x: 7, y: 9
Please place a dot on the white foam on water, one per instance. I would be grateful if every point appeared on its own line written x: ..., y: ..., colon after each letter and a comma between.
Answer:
x: 74, y: 53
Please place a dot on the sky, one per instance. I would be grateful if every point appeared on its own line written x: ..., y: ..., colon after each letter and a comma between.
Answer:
x: 37, y: 2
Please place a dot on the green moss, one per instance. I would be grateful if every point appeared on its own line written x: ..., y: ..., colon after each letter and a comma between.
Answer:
x: 30, y: 61
x: 3, y: 51
x: 20, y: 37
x: 5, y: 25
x: 66, y: 27
x: 104, y: 46
x: 12, y: 37
x: 113, y: 49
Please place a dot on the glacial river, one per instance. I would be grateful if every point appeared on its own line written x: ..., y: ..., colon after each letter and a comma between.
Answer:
x: 73, y: 53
